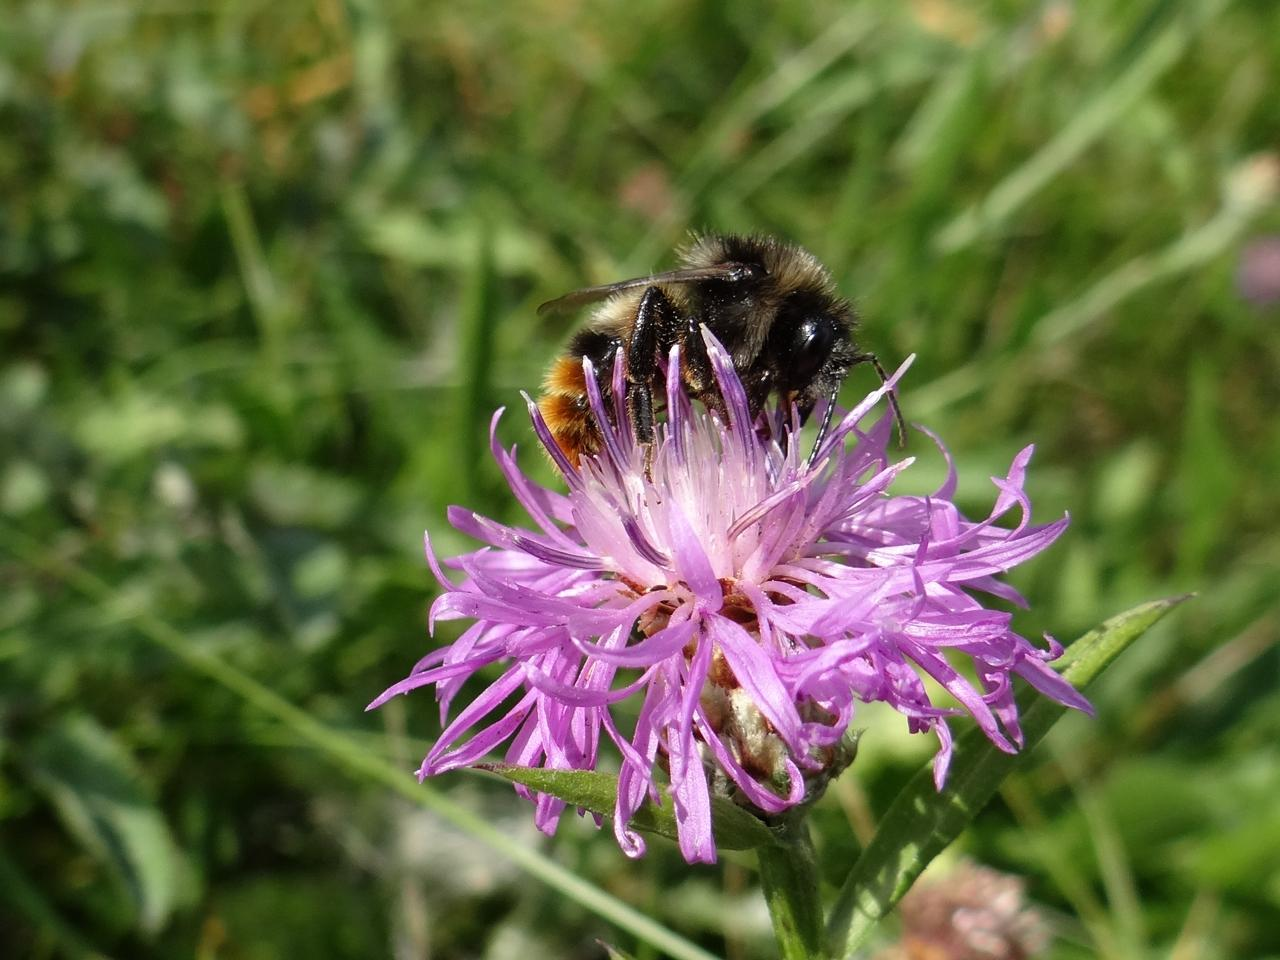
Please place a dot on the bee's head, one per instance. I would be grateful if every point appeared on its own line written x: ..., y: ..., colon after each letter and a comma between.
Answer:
x: 810, y: 348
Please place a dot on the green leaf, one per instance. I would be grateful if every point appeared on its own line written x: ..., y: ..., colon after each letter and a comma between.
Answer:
x: 615, y: 953
x: 735, y: 828
x: 1154, y: 53
x: 98, y: 792
x: 922, y: 821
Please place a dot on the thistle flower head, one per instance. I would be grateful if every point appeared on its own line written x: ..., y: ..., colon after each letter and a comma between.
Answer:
x: 743, y: 596
x: 971, y: 913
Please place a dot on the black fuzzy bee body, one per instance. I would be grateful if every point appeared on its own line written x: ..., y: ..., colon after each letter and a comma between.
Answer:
x: 772, y: 305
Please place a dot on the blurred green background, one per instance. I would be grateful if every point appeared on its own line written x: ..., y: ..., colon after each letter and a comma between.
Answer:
x: 266, y: 270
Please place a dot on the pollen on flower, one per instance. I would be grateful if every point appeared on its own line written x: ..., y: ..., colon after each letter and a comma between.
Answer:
x: 746, y: 598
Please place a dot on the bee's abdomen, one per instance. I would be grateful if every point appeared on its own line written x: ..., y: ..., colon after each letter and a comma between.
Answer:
x: 566, y: 378
x: 564, y: 407
x: 599, y: 345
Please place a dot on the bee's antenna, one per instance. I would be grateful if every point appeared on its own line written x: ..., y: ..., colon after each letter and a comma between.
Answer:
x: 900, y: 423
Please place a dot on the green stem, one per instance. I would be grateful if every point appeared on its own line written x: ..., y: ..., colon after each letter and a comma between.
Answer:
x: 789, y: 873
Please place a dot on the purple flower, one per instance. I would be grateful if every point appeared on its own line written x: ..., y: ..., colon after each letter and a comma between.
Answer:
x: 745, y: 598
x: 1258, y: 273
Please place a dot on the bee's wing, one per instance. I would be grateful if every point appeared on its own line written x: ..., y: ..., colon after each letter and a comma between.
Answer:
x: 719, y: 271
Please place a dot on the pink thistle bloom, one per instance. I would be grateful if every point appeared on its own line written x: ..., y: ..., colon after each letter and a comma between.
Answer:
x: 745, y: 597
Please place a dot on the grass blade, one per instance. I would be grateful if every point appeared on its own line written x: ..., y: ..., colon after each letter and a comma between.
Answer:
x: 351, y: 755
x: 1249, y: 189
x: 1096, y: 117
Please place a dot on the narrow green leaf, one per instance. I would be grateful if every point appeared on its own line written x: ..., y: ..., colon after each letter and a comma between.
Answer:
x: 615, y: 953
x: 735, y: 828
x: 92, y: 782
x: 1155, y: 53
x: 266, y: 302
x: 922, y: 821
x: 349, y: 753
x: 1249, y: 191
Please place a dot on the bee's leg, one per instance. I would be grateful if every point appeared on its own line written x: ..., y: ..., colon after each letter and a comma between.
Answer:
x: 823, y: 427
x: 656, y: 319
x: 697, y: 362
x: 893, y: 395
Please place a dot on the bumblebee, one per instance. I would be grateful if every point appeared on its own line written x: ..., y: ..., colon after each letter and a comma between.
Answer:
x: 772, y: 305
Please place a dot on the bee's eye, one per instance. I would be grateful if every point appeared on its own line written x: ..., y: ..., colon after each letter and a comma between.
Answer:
x: 811, y: 344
